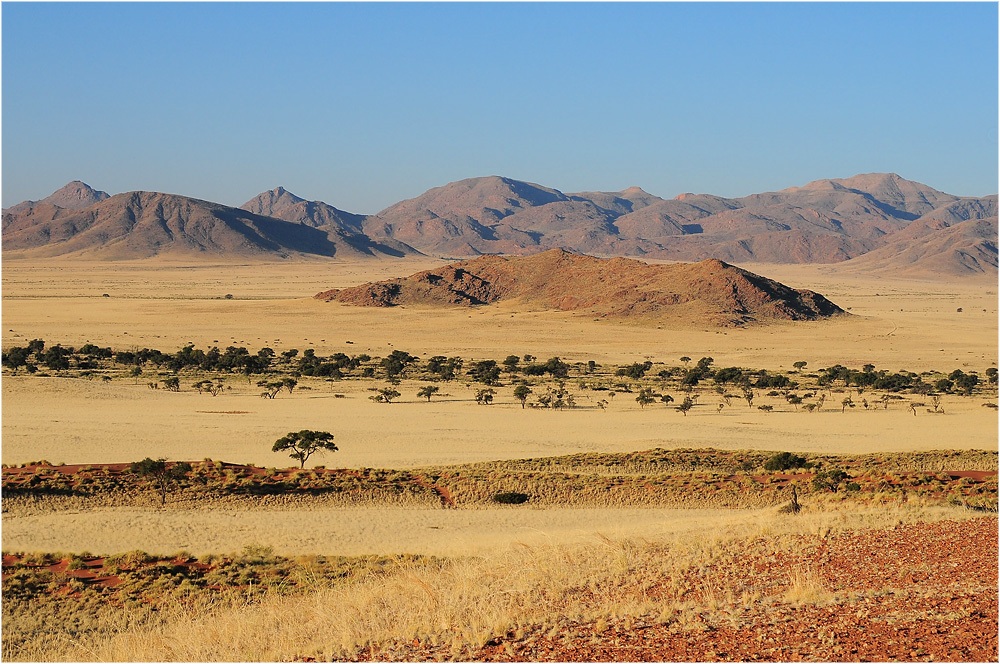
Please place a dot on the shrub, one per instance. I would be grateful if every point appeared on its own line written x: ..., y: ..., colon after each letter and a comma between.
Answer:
x: 129, y: 559
x: 785, y: 461
x: 829, y: 480
x: 256, y: 554
x: 511, y: 498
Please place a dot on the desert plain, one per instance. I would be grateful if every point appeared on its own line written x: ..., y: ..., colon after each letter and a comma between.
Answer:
x: 916, y: 325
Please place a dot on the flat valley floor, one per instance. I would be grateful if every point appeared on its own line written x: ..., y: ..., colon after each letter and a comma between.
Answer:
x: 560, y: 582
x: 895, y: 325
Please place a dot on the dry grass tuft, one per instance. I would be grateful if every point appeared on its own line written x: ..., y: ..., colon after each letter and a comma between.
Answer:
x: 464, y: 604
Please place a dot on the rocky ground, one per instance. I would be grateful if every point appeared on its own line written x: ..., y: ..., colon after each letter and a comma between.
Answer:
x: 924, y: 592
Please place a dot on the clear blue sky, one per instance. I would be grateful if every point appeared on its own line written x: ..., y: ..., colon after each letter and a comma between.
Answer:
x: 362, y: 105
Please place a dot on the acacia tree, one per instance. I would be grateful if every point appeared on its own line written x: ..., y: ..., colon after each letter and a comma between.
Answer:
x: 685, y: 406
x: 428, y: 391
x: 385, y: 395
x: 303, y: 444
x: 271, y: 388
x: 18, y: 357
x: 521, y: 393
x: 207, y: 386
x: 161, y: 473
x: 645, y: 397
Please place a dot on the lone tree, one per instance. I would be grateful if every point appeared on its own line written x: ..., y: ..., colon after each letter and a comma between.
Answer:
x: 685, y: 406
x: 428, y: 391
x: 304, y: 444
x: 271, y: 388
x: 161, y: 473
x: 385, y: 395
x: 521, y: 393
x: 203, y: 386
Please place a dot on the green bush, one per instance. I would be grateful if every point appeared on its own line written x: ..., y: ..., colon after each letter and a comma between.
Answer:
x: 785, y: 461
x: 511, y: 498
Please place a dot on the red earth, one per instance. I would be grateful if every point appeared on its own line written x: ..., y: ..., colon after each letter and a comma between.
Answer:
x: 925, y: 592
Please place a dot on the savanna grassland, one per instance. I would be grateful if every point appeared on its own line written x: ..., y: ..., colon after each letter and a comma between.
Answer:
x: 574, y: 488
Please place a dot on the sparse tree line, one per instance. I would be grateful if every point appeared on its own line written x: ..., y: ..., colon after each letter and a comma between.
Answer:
x: 535, y: 383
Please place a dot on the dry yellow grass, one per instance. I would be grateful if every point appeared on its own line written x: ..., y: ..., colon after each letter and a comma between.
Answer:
x: 896, y: 324
x: 157, y: 304
x: 469, y: 601
x: 343, y: 531
x: 81, y: 421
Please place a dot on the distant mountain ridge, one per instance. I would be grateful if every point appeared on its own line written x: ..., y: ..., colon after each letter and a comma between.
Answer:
x: 143, y: 224
x: 75, y: 195
x: 282, y: 204
x: 934, y: 249
x: 824, y: 221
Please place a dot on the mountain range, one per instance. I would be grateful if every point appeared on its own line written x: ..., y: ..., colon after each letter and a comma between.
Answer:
x: 880, y: 215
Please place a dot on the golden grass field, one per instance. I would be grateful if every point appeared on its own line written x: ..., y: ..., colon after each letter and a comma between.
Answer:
x: 349, y: 531
x: 894, y: 324
x: 557, y: 590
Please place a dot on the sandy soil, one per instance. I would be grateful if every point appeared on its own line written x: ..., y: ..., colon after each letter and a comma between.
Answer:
x: 81, y: 421
x: 344, y: 531
x: 895, y: 324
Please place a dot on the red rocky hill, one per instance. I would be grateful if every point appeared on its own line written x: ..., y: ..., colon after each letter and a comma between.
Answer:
x: 709, y: 292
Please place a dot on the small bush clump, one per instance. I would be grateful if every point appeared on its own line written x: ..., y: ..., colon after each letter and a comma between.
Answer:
x: 785, y: 461
x: 511, y: 498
